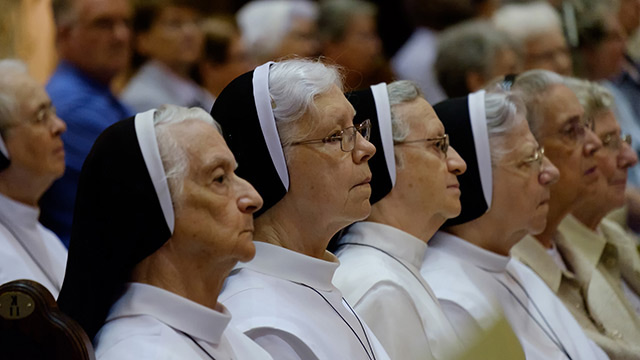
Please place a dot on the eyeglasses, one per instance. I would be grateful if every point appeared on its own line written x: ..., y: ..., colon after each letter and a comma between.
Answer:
x: 536, y: 158
x: 346, y: 136
x: 44, y: 115
x: 576, y: 130
x: 614, y: 142
x: 441, y: 142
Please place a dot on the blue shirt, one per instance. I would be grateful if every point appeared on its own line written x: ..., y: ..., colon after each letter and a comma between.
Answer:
x: 88, y: 107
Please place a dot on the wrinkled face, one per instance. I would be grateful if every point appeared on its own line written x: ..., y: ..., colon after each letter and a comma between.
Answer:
x: 614, y: 159
x: 214, y: 214
x: 327, y: 184
x: 33, y: 140
x: 98, y: 41
x: 360, y: 48
x: 521, y: 184
x: 174, y: 38
x: 569, y: 145
x: 301, y: 40
x: 426, y: 177
x: 548, y: 51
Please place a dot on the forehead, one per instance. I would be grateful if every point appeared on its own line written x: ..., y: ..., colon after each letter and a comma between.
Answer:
x: 90, y: 9
x: 520, y: 137
x: 560, y: 105
x: 548, y: 40
x: 29, y: 93
x: 201, y: 141
x: 334, y: 108
x: 420, y: 116
x: 605, y: 122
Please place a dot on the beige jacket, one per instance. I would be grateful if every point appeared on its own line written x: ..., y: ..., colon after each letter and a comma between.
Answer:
x: 586, y: 290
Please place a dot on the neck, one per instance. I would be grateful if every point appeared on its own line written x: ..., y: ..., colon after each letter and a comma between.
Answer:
x: 294, y: 230
x: 588, y: 217
x: 489, y: 233
x: 23, y: 188
x: 199, y: 280
x: 557, y: 212
x: 399, y: 217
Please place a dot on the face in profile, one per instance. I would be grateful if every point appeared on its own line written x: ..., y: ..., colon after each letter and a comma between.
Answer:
x: 300, y: 41
x: 614, y: 160
x: 570, y: 144
x: 214, y: 214
x: 426, y: 175
x: 33, y: 139
x: 521, y: 182
x: 328, y: 184
x: 548, y: 51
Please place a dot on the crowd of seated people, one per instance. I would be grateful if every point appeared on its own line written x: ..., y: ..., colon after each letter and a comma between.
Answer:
x: 269, y: 183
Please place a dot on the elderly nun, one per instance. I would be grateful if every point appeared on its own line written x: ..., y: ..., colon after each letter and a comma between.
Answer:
x: 292, y: 131
x: 505, y: 195
x: 415, y: 189
x: 160, y: 221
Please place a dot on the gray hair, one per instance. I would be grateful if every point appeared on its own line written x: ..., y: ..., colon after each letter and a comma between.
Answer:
x: 173, y: 155
x: 294, y: 86
x: 532, y: 86
x: 525, y: 20
x: 335, y: 16
x: 263, y: 23
x: 9, y: 103
x: 471, y: 46
x: 593, y: 97
x: 400, y: 92
x: 501, y: 109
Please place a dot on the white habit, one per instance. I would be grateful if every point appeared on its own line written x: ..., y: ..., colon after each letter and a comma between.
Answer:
x: 287, y: 303
x: 477, y: 286
x: 28, y: 250
x: 379, y: 274
x: 148, y: 322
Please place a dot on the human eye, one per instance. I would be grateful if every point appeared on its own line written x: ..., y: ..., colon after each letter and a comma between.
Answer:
x: 335, y: 137
x: 573, y: 130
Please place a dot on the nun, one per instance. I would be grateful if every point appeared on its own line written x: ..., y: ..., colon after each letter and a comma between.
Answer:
x: 505, y: 195
x: 292, y: 131
x: 160, y: 220
x: 414, y: 190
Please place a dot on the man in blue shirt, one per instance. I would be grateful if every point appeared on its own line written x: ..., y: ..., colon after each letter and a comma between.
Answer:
x: 93, y: 38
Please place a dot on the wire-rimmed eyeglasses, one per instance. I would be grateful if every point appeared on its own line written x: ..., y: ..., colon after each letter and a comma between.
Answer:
x: 614, y: 142
x: 536, y: 158
x: 346, y: 136
x: 441, y: 142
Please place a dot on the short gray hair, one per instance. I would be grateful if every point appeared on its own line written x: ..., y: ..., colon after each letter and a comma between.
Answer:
x: 593, y: 97
x: 400, y: 92
x: 501, y: 110
x: 9, y: 103
x: 471, y: 46
x: 532, y: 86
x: 263, y: 23
x: 524, y: 20
x: 335, y: 16
x: 173, y: 155
x: 294, y: 86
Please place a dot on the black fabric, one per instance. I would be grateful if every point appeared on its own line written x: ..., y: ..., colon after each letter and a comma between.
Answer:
x: 117, y: 223
x: 454, y: 114
x: 235, y: 111
x: 4, y: 161
x: 364, y: 103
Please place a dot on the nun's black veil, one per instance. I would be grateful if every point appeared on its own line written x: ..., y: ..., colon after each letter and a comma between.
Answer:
x: 118, y: 222
x: 464, y: 120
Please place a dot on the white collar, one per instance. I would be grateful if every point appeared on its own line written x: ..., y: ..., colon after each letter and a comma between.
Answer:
x: 289, y: 265
x: 174, y: 310
x: 465, y: 250
x: 394, y: 241
x: 17, y: 213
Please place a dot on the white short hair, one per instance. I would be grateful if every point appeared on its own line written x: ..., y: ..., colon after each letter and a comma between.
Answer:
x: 263, y: 23
x: 522, y: 21
x: 8, y: 100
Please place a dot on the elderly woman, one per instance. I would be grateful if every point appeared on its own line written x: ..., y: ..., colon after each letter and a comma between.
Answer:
x: 292, y: 132
x: 160, y: 221
x: 505, y: 194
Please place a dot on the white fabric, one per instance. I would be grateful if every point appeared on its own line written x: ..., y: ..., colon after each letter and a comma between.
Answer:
x: 384, y: 285
x: 154, y: 85
x: 383, y: 109
x: 148, y: 322
x: 273, y: 301
x: 632, y: 297
x: 481, y: 141
x: 28, y: 250
x: 264, y: 108
x: 470, y: 277
x: 557, y: 258
x: 146, y: 134
x: 415, y: 60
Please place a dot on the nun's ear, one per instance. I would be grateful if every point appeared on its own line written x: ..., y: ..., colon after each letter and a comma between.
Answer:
x: 4, y: 155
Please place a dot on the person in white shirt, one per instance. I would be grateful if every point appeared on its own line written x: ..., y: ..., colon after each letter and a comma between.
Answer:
x: 468, y: 263
x: 160, y: 221
x: 380, y: 258
x: 31, y: 159
x: 292, y: 131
